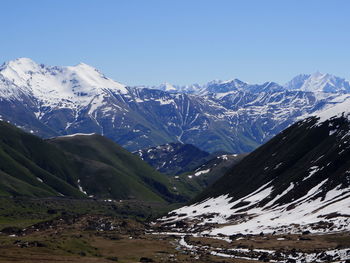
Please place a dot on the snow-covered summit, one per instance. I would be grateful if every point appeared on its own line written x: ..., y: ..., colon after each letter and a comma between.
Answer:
x: 167, y: 87
x: 319, y: 82
x: 212, y: 87
x: 189, y: 89
x: 19, y: 65
x: 76, y: 85
x: 297, y: 82
x: 219, y: 86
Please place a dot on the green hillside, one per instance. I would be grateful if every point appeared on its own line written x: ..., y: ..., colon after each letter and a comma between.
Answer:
x: 109, y: 170
x: 31, y: 167
x: 77, y: 166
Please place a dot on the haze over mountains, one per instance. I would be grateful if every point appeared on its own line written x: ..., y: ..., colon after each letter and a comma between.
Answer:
x: 231, y: 116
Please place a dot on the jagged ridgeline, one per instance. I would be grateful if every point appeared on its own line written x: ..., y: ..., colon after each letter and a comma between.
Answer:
x: 76, y: 166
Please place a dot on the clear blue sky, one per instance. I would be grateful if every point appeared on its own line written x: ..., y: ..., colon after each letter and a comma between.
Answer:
x: 181, y: 41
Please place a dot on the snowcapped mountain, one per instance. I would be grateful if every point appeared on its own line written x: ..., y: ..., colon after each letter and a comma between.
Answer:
x: 188, y: 89
x: 297, y: 82
x: 318, y: 82
x: 215, y: 86
x: 298, y: 181
x: 74, y: 86
x: 230, y: 116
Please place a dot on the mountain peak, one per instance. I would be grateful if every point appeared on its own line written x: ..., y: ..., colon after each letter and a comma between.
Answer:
x: 23, y: 60
x: 83, y: 65
x: 222, y: 82
x: 317, y: 73
x: 320, y: 75
x: 78, y: 84
x: 319, y: 82
x: 168, y: 87
x: 219, y: 86
x: 20, y: 64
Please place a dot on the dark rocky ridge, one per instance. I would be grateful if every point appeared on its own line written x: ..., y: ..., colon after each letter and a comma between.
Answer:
x: 174, y: 158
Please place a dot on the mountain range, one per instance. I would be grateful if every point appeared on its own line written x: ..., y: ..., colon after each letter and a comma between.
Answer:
x: 316, y: 82
x: 231, y: 116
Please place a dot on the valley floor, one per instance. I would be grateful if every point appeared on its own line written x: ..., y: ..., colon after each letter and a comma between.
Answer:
x: 101, y: 237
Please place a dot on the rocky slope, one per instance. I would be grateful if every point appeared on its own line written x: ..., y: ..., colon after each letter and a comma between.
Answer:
x: 174, y: 158
x: 195, y: 181
x: 298, y: 181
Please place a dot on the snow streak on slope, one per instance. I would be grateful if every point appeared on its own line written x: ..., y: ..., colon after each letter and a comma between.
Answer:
x: 300, y: 215
x: 339, y: 106
x: 298, y: 181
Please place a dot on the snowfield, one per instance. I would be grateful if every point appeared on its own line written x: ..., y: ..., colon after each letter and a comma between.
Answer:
x: 294, y: 217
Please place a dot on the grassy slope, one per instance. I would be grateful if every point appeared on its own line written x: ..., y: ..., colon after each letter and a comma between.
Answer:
x: 115, y: 168
x: 10, y: 186
x: 26, y: 158
x: 33, y: 167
